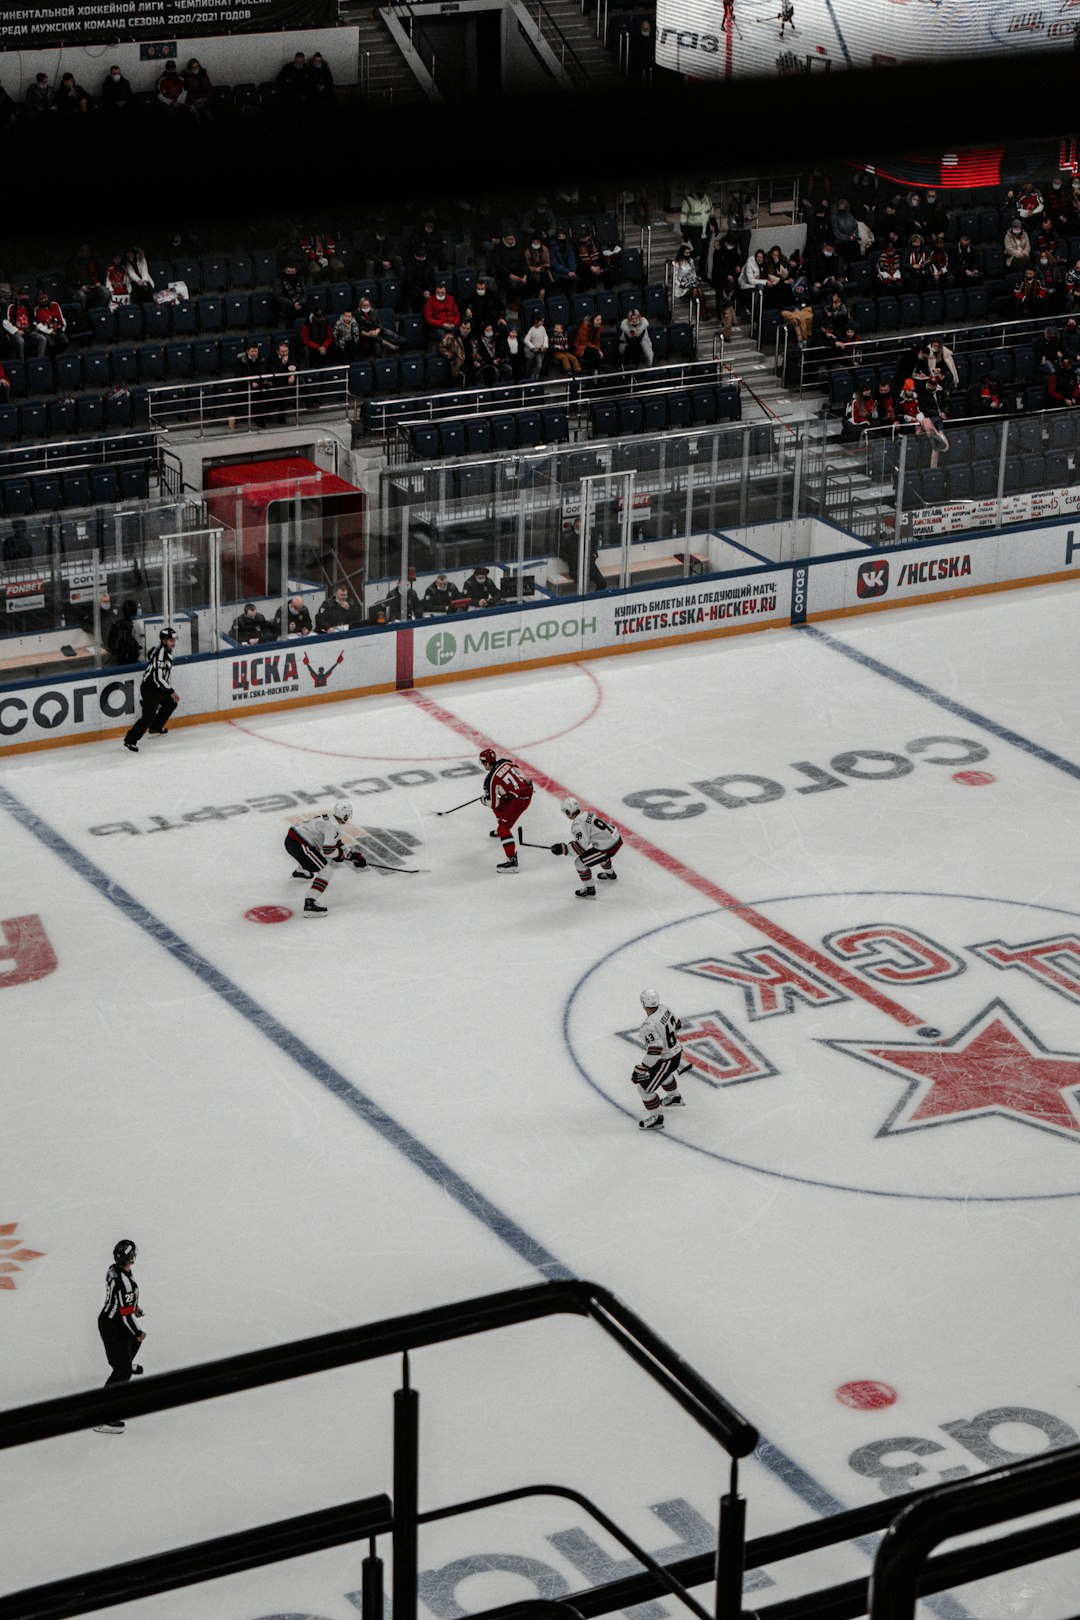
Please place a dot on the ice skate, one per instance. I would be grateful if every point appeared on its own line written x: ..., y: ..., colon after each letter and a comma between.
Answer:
x: 108, y: 1428
x: 651, y: 1122
x: 494, y: 833
x: 607, y: 877
x: 508, y: 866
x: 137, y: 1371
x: 132, y: 748
x: 586, y: 893
x: 672, y: 1102
x: 157, y: 731
x: 300, y: 873
x: 312, y: 908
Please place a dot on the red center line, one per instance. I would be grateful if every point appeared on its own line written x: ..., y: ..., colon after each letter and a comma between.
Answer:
x: 835, y: 972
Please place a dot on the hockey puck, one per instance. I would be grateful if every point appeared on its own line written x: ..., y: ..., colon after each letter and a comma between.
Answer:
x: 929, y: 1032
x: 268, y: 914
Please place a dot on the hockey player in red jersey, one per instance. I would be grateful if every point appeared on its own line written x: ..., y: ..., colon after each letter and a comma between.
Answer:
x: 508, y: 791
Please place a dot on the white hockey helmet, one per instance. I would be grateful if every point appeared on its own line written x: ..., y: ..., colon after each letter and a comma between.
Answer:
x: 342, y: 810
x: 650, y: 999
x: 570, y: 808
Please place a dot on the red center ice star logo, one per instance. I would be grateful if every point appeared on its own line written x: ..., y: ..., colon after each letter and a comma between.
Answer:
x: 994, y: 1065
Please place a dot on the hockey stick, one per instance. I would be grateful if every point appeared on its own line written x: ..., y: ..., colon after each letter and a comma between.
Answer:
x: 381, y: 867
x: 525, y: 842
x: 460, y: 806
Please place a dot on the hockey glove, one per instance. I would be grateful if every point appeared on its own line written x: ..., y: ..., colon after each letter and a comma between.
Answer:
x: 486, y: 799
x: 357, y: 857
x: 559, y: 849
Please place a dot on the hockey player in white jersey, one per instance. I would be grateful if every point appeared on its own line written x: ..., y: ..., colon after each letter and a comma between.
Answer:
x: 593, y: 843
x: 313, y: 843
x: 657, y: 1075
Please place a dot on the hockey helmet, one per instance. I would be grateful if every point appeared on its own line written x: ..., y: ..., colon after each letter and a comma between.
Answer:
x: 488, y: 757
x: 650, y: 999
x: 570, y: 808
x: 168, y: 634
x: 124, y: 1251
x: 342, y: 810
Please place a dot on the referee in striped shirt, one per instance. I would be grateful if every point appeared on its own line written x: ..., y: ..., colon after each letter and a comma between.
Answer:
x: 157, y: 695
x: 117, y: 1324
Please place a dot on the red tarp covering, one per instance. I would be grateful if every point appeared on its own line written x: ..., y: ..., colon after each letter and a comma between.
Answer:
x: 239, y: 496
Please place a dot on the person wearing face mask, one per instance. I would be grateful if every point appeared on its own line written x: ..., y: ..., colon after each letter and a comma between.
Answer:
x: 540, y: 279
x: 563, y: 263
x: 490, y: 357
x: 375, y: 338
x: 440, y: 311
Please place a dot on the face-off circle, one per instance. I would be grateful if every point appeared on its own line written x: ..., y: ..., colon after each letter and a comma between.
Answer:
x: 866, y: 1395
x: 902, y: 1044
x: 974, y: 778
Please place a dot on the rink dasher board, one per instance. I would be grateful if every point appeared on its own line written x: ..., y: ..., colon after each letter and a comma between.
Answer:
x: 222, y: 686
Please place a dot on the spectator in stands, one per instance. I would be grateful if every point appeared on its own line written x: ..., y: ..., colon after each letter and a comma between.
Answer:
x: 375, y: 338
x: 24, y: 341
x: 885, y: 404
x: 941, y: 276
x: 338, y: 612
x: 317, y: 252
x: 777, y: 279
x: 727, y: 298
x: 491, y: 362
x: 391, y: 606
x: 1029, y: 296
x: 835, y: 312
x: 1072, y: 287
x: 49, y: 321
x: 587, y: 345
x: 1017, y: 245
x: 440, y: 595
x: 507, y: 264
x: 249, y: 627
x: 561, y: 351
x: 915, y: 267
x: 800, y: 319
x: 440, y: 312
x: 942, y: 364
x: 686, y: 279
x: 117, y: 281
x: 321, y: 82
x: 536, y: 344
x: 697, y: 218
x: 845, y: 231
x: 563, y: 262
x: 992, y: 399
x: 1059, y: 215
x: 380, y: 249
x: 480, y: 589
x: 541, y: 220
x: 5, y: 386
x: 428, y: 236
x: 71, y: 97
x: 418, y: 276
x: 1045, y: 239
x: 514, y: 354
x: 1070, y: 341
x: 115, y: 92
x: 316, y: 339
x: 1062, y: 388
x: 1049, y: 278
x: 540, y: 277
x: 347, y: 337
x: 826, y: 271
x: 635, y: 344
x: 200, y: 92
x: 299, y: 619
x: 452, y: 348
x: 294, y: 85
x: 966, y: 264
x: 911, y: 416
x: 83, y: 280
x: 846, y: 343
x: 485, y: 305
x: 751, y: 277
x: 40, y: 96
x: 140, y: 281
x: 596, y: 265
x: 861, y: 413
x: 935, y: 215
x: 171, y: 94
x: 1029, y: 203
x: 255, y: 395
x: 723, y: 258
x: 284, y: 385
x: 289, y: 294
x: 888, y: 270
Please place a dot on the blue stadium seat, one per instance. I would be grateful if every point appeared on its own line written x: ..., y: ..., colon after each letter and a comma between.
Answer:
x: 555, y: 424
x: 76, y: 489
x: 464, y: 286
x: 33, y: 420
x: 60, y: 415
x: 412, y: 331
x: 152, y: 362
x: 654, y: 408
x: 134, y: 484
x: 1062, y: 430
x: 129, y: 323
x: 472, y: 482
x: 340, y: 296
x: 1026, y: 434
x: 604, y: 419
x: 504, y: 431
x: 205, y: 357
x: 241, y: 273
x: 955, y: 305
x: 178, y: 359
x: 631, y: 416
x: 530, y: 429
x: 425, y: 442
x: 977, y: 303
x: 189, y: 271
x: 437, y: 369
x: 582, y: 307
x: 264, y: 267
x: 1035, y: 398
x: 728, y: 404
x: 1023, y: 358
x: 40, y: 377
x: 387, y: 376
x: 703, y: 404
x: 1014, y: 476
x: 18, y: 498
x: 680, y: 409
x: 210, y: 313
x: 933, y: 308
x: 959, y: 446
x: 452, y: 438
x: 888, y: 314
x: 262, y: 309
x: 864, y: 315
x: 9, y: 423
x: 680, y: 340
x: 214, y: 273
x: 558, y: 308
x: 102, y: 325
x: 156, y: 321
x: 412, y: 372
x: 1033, y: 471
x: 361, y: 378
x: 607, y: 305
x: 959, y: 482
x: 478, y: 436
x: 985, y: 443
x: 183, y: 318
x: 1058, y: 474
x: 47, y: 493
x: 124, y: 363
x: 118, y: 410
x: 105, y: 485
x: 630, y: 265
x: 390, y: 292
x: 236, y: 311
x: 90, y: 413
x: 910, y: 309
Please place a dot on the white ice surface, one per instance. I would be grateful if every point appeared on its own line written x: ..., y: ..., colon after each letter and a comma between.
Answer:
x: 777, y: 1235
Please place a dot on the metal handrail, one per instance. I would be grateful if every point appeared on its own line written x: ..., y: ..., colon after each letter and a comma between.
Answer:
x: 961, y: 339
x: 568, y: 57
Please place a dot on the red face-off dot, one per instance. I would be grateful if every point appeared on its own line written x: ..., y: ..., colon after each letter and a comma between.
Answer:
x: 866, y: 1395
x: 974, y: 778
x: 268, y: 914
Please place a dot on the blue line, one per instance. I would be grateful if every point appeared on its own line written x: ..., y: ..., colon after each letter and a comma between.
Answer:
x: 816, y: 1497
x: 961, y: 710
x: 418, y: 1154
x: 839, y: 34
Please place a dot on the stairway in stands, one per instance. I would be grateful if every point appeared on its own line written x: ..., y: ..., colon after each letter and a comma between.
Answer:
x: 386, y: 78
x: 578, y: 29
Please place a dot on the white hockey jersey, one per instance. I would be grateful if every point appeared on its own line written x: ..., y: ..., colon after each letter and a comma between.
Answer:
x: 592, y: 832
x: 659, y: 1033
x: 322, y: 833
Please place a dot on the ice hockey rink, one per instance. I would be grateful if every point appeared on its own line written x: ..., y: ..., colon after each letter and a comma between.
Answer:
x: 850, y: 866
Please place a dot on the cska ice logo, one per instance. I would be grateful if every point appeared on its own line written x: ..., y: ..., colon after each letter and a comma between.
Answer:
x: 905, y: 1045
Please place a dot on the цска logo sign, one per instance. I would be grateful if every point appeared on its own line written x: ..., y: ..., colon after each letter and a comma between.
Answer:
x: 909, y: 1045
x: 873, y: 578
